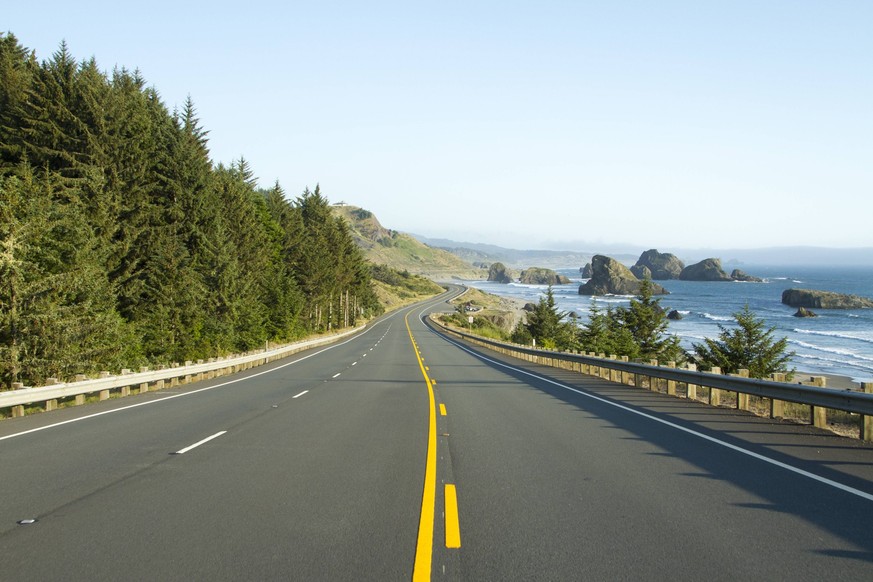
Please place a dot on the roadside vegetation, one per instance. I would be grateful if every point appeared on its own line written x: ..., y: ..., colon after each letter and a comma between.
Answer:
x: 640, y: 332
x: 123, y: 244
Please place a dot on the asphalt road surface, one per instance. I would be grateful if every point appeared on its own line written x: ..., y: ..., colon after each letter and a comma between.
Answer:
x: 401, y: 454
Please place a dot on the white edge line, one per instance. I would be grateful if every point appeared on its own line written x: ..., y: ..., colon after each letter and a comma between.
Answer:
x: 165, y: 398
x: 336, y: 375
x: 301, y: 394
x: 198, y: 443
x: 692, y: 432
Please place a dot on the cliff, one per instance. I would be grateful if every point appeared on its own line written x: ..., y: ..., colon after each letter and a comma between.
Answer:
x: 400, y: 251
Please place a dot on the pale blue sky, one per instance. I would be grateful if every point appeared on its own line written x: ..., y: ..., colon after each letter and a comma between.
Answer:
x: 662, y: 124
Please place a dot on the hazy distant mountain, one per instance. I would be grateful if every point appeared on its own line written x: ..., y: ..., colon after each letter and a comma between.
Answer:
x: 808, y: 256
x: 485, y: 254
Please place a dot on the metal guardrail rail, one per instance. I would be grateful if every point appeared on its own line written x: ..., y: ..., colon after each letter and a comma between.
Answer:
x: 50, y: 394
x: 818, y: 398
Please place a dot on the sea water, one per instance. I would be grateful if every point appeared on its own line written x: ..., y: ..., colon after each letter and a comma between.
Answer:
x: 838, y: 341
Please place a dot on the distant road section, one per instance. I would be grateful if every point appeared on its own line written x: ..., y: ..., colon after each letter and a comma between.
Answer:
x: 318, y: 467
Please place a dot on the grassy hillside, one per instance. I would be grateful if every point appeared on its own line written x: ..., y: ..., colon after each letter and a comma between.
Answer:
x: 403, y: 252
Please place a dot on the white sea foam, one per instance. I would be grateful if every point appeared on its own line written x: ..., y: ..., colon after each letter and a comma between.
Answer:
x: 827, y: 350
x: 861, y: 337
x: 717, y: 317
x: 683, y: 311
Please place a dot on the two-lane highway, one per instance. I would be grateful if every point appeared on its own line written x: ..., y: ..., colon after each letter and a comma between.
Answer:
x: 310, y: 468
x: 402, y: 453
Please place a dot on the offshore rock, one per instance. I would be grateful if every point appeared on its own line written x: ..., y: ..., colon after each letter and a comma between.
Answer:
x: 585, y: 272
x: 498, y: 273
x: 705, y: 270
x: 674, y: 315
x: 662, y: 266
x: 609, y: 277
x: 738, y: 275
x: 541, y: 276
x: 804, y: 312
x: 812, y: 298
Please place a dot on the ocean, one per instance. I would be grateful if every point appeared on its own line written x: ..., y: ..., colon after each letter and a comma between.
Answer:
x: 836, y: 342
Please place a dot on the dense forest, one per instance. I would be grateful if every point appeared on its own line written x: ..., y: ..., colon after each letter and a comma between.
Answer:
x: 123, y: 244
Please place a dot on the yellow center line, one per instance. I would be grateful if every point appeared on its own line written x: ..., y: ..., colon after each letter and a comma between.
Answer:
x: 424, y: 546
x: 442, y: 409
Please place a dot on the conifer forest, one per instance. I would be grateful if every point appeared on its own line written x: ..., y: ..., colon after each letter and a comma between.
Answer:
x: 123, y: 244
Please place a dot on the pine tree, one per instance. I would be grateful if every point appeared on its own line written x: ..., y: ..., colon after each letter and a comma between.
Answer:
x: 647, y: 323
x: 545, y: 323
x: 57, y: 305
x: 749, y: 346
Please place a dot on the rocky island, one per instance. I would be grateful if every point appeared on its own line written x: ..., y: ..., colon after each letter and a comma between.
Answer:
x: 609, y: 277
x: 657, y: 266
x: 499, y: 273
x: 541, y: 276
x: 811, y: 298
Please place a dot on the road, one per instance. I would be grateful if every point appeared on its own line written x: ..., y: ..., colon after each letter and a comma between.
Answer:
x: 340, y: 464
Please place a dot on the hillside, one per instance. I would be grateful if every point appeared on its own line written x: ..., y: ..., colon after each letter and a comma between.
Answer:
x: 401, y: 251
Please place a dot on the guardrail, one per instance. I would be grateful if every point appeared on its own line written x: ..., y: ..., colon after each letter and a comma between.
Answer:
x: 146, y: 380
x: 653, y: 376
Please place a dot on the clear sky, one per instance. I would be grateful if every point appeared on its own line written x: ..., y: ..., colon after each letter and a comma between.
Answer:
x: 537, y: 124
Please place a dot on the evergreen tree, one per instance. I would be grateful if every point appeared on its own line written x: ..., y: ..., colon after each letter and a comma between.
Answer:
x: 56, y: 303
x: 545, y: 323
x: 17, y: 68
x: 647, y: 323
x: 605, y: 333
x: 749, y: 346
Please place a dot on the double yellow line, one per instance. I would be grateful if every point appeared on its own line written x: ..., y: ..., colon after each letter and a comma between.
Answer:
x: 424, y: 546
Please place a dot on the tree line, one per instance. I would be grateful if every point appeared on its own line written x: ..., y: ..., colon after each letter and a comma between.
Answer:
x: 123, y: 244
x: 640, y: 332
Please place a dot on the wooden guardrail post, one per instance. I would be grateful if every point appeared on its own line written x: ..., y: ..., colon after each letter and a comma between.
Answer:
x: 613, y: 373
x: 743, y: 399
x: 625, y: 376
x: 714, y: 393
x: 777, y: 407
x: 866, y: 420
x: 104, y: 394
x: 653, y: 382
x: 819, y: 414
x: 671, y: 384
x: 17, y: 411
x: 691, y: 389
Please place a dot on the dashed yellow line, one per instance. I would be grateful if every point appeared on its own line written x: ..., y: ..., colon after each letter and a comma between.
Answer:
x: 442, y: 409
x: 453, y: 529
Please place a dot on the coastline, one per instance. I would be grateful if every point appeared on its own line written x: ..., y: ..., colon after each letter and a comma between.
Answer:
x: 835, y: 381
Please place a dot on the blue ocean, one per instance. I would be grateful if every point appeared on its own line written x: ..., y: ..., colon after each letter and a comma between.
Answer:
x: 836, y: 342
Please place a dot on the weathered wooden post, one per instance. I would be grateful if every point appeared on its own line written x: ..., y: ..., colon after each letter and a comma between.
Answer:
x: 714, y: 393
x: 777, y: 407
x: 867, y: 421
x: 104, y: 394
x: 691, y: 389
x: 625, y: 376
x: 671, y: 384
x: 653, y: 382
x: 743, y: 399
x: 819, y: 414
